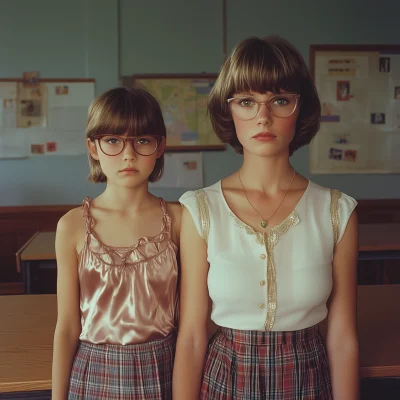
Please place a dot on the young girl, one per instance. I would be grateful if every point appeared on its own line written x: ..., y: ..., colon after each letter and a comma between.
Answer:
x: 117, y: 264
x: 275, y: 252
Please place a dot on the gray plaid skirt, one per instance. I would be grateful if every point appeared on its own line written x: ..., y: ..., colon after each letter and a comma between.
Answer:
x: 253, y: 365
x: 109, y: 371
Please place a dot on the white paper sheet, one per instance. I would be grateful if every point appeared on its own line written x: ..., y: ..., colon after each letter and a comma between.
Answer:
x: 67, y: 94
x: 182, y: 170
x: 68, y: 119
x: 12, y: 145
x: 8, y: 104
x: 8, y: 90
x: 8, y: 113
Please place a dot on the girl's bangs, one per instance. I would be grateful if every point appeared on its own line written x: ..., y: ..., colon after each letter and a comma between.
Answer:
x: 264, y: 73
x: 127, y: 118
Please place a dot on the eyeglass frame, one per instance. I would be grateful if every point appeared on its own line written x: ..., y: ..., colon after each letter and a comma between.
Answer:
x: 266, y: 104
x: 125, y: 140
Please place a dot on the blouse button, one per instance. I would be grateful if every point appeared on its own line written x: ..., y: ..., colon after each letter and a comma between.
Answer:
x: 263, y: 256
x: 262, y: 305
x: 262, y: 283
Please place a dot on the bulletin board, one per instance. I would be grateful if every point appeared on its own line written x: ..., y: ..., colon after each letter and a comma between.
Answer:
x: 359, y: 89
x: 44, y: 118
x: 183, y: 100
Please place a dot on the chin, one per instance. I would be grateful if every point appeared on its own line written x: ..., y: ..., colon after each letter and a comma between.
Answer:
x: 269, y: 152
x: 131, y: 183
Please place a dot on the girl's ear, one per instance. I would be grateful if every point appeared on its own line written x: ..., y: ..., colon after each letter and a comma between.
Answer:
x: 161, y: 147
x: 92, y: 149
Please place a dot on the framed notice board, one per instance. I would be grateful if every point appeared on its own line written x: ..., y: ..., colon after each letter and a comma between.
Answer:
x: 359, y: 89
x: 45, y: 117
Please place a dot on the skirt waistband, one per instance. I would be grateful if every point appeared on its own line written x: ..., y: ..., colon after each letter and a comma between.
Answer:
x: 270, y: 338
x: 158, y: 344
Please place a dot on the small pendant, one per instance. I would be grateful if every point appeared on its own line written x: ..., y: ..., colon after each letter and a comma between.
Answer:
x: 263, y: 224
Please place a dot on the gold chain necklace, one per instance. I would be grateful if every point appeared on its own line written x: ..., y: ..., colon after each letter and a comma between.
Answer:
x: 264, y: 222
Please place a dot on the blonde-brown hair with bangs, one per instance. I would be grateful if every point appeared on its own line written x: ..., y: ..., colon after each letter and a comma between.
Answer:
x: 122, y: 111
x: 260, y: 65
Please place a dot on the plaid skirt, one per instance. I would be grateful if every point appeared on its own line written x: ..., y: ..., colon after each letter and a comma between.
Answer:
x: 253, y: 365
x: 111, y: 371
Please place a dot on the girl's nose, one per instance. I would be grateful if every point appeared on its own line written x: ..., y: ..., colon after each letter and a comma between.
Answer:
x: 129, y: 151
x: 264, y: 115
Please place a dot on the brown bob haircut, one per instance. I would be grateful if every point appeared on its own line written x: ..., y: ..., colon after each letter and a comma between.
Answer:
x: 262, y: 65
x: 125, y: 111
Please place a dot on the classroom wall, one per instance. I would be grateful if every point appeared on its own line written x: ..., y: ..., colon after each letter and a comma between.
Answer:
x: 102, y: 39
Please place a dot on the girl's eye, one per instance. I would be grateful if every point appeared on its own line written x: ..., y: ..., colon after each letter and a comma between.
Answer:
x: 143, y: 141
x: 113, y: 141
x: 110, y: 140
x: 280, y: 101
x: 246, y: 102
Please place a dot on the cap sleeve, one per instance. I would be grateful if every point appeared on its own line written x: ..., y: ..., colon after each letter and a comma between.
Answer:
x: 346, y: 206
x: 190, y: 201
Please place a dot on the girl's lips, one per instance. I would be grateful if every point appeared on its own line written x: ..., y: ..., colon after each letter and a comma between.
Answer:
x: 264, y: 137
x: 129, y: 171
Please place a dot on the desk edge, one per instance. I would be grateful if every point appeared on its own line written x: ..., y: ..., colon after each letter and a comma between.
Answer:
x: 25, y: 386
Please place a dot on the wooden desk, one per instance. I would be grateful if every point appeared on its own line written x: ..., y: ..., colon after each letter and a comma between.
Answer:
x: 379, y: 241
x: 38, y: 250
x: 28, y: 322
x: 42, y: 247
x: 26, y: 342
x: 378, y: 310
x: 379, y: 330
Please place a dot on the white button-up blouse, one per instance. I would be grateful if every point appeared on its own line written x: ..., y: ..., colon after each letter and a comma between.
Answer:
x: 280, y: 280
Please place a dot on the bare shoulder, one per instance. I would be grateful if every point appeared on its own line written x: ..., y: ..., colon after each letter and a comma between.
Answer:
x: 300, y: 182
x: 71, y: 222
x: 71, y: 227
x: 175, y: 211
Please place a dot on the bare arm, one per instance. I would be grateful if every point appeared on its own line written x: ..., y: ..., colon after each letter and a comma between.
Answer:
x: 68, y: 328
x: 341, y: 340
x: 193, y: 335
x: 175, y: 211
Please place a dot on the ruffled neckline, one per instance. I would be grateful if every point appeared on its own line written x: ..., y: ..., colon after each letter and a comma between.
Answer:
x: 123, y: 252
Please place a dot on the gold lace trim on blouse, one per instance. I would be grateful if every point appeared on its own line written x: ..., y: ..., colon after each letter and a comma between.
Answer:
x: 269, y: 240
x: 335, y: 196
x: 202, y: 203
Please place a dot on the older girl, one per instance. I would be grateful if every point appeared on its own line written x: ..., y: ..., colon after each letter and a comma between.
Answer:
x: 275, y: 252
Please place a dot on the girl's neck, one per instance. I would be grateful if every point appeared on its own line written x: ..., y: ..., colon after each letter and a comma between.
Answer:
x: 266, y: 174
x: 122, y: 198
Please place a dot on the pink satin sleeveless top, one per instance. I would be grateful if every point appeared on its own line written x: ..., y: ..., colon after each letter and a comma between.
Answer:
x: 128, y: 295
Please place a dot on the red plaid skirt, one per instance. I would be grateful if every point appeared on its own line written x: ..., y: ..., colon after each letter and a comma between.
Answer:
x: 110, y: 371
x: 253, y: 365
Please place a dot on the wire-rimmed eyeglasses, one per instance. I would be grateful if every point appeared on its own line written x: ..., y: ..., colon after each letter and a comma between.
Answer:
x: 246, y: 107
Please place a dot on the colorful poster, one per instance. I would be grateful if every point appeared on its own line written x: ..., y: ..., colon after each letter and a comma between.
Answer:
x: 360, y: 121
x: 32, y: 105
